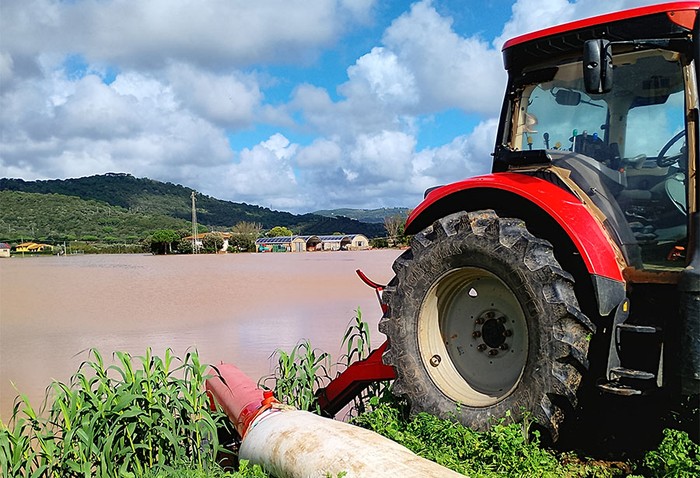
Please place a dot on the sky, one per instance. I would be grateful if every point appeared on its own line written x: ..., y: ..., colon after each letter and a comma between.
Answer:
x: 295, y: 105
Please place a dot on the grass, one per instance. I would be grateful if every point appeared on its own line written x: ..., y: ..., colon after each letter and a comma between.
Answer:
x: 149, y: 417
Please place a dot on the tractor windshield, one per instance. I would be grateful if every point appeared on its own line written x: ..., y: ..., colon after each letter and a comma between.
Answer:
x: 627, y: 146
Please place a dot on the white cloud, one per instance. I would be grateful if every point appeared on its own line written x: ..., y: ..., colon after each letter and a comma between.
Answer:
x: 382, y: 156
x: 380, y: 74
x: 6, y: 68
x: 359, y: 9
x: 57, y: 128
x: 264, y: 175
x: 167, y: 82
x: 147, y: 34
x: 226, y: 100
x: 322, y: 153
x: 449, y: 70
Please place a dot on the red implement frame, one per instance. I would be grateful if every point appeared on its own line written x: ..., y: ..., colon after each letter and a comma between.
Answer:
x: 350, y: 383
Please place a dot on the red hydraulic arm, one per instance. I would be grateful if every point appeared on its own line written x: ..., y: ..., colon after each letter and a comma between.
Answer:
x: 353, y: 380
x: 348, y: 385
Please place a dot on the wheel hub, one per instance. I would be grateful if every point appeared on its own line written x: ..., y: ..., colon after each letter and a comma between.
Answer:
x: 491, y: 334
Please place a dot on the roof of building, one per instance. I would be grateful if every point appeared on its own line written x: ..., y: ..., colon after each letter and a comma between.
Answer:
x: 279, y: 239
x: 338, y: 238
x: 289, y: 239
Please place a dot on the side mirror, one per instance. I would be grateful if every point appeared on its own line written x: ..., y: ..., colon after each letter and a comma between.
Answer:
x: 597, y: 66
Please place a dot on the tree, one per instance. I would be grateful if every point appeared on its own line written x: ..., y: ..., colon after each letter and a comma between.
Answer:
x: 279, y: 231
x: 213, y: 242
x: 162, y: 241
x: 244, y: 234
x: 394, y: 226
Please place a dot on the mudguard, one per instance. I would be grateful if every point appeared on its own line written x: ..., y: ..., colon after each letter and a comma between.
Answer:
x: 600, y: 254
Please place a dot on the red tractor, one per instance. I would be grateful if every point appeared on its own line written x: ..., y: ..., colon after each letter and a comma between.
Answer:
x: 576, y: 260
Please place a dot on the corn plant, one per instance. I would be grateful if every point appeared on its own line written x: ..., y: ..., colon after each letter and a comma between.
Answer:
x: 358, y: 346
x: 138, y: 414
x: 302, y: 371
x: 298, y: 375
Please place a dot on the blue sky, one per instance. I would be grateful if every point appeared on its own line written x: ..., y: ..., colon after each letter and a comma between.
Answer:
x: 296, y: 105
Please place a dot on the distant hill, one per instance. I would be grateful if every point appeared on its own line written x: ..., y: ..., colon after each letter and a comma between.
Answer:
x: 56, y: 218
x: 157, y: 200
x: 375, y: 216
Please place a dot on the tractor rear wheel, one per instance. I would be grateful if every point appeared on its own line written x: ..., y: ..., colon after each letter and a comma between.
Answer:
x: 482, y: 321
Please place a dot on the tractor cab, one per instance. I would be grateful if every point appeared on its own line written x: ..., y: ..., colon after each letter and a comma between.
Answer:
x: 622, y: 146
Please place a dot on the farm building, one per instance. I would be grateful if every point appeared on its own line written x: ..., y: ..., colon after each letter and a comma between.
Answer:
x: 312, y: 243
x: 5, y: 249
x: 352, y: 242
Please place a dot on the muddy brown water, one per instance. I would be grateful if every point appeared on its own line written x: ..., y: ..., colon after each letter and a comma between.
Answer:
x: 236, y: 308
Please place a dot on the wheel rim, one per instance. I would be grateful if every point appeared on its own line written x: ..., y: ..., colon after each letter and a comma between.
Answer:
x: 472, y: 336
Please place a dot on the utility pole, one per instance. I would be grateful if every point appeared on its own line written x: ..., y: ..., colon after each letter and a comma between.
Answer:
x: 194, y: 224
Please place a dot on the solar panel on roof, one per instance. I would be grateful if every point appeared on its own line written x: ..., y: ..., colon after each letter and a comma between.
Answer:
x: 332, y: 238
x: 274, y: 240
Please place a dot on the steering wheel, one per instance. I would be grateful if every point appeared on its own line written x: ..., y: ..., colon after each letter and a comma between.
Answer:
x: 661, y: 160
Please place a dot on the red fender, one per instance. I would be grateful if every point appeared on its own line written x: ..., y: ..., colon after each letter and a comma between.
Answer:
x: 597, y: 249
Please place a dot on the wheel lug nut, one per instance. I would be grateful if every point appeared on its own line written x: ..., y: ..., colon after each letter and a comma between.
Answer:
x: 504, y: 347
x: 476, y: 334
x: 501, y: 320
x: 493, y: 352
x: 508, y: 333
x: 479, y: 321
x: 490, y: 314
x: 481, y: 347
x: 435, y: 360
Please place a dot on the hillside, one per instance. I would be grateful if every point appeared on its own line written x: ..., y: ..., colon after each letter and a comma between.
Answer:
x: 375, y: 216
x: 153, y: 201
x: 55, y: 218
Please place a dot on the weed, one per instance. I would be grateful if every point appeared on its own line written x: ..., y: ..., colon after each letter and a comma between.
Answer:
x: 676, y: 456
x: 506, y: 449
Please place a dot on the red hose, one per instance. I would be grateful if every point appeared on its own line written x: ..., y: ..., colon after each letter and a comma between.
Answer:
x: 238, y: 395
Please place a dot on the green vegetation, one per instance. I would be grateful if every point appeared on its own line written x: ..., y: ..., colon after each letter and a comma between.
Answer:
x: 164, y: 241
x: 213, y: 242
x: 677, y: 455
x: 144, y: 413
x: 243, y: 236
x: 137, y: 207
x: 396, y: 234
x: 54, y: 218
x: 149, y: 417
x: 279, y: 231
x: 298, y: 375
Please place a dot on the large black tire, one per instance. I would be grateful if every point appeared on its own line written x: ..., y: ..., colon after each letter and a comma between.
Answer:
x: 482, y: 321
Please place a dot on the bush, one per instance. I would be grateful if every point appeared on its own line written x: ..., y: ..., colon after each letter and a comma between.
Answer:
x: 379, y: 242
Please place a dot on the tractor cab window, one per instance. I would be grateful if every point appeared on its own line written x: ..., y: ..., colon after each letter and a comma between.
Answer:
x: 626, y: 148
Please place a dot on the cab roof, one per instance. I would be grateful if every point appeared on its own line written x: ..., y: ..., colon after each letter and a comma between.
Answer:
x: 681, y: 13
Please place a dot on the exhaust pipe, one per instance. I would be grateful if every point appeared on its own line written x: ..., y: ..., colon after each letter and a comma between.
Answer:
x: 295, y: 444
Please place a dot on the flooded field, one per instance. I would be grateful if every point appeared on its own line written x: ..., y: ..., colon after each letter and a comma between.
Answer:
x: 234, y: 308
